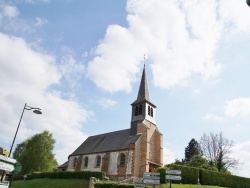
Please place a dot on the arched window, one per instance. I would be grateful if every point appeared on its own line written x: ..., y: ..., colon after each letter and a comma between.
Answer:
x: 98, y: 161
x: 122, y: 159
x: 140, y: 109
x: 149, y: 110
x: 152, y: 112
x: 75, y: 162
x: 136, y: 111
x: 86, y: 161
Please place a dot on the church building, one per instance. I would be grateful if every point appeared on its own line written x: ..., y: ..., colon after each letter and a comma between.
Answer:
x: 124, y: 153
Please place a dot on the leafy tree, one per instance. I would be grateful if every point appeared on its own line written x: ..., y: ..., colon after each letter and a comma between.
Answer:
x: 192, y: 149
x: 198, y: 161
x: 217, y: 148
x: 35, y: 153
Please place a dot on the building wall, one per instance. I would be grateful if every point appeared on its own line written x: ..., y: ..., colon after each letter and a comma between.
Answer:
x: 109, y: 164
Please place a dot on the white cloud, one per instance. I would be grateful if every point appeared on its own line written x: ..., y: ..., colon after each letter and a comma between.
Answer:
x: 171, y: 153
x: 238, y: 107
x: 28, y: 76
x: 212, y: 117
x: 177, y: 42
x: 8, y: 11
x: 106, y: 103
x: 242, y: 152
x: 40, y: 21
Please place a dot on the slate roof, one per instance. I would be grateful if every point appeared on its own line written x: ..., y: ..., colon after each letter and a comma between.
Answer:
x: 107, y: 142
x: 143, y: 93
x: 64, y: 165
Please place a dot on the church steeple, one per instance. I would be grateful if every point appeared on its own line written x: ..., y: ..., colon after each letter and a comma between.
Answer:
x: 143, y: 93
x: 142, y: 107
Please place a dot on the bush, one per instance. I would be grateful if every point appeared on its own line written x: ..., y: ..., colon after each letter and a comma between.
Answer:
x: 189, y: 175
x: 64, y: 175
x: 113, y: 185
x: 221, y: 179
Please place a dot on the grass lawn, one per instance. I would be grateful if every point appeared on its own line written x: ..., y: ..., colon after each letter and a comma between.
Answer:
x: 51, y: 183
x: 78, y: 183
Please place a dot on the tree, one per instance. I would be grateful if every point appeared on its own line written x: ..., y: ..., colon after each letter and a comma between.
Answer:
x: 217, y: 149
x: 35, y: 153
x: 192, y: 149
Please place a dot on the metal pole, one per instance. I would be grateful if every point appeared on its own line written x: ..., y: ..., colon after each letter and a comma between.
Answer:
x: 17, y: 130
x: 14, y: 139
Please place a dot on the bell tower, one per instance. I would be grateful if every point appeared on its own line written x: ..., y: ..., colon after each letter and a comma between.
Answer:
x: 142, y: 107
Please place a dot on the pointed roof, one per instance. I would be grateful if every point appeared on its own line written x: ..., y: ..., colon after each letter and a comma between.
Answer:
x: 143, y: 93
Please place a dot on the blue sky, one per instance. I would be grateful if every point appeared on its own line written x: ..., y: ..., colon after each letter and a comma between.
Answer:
x: 81, y: 63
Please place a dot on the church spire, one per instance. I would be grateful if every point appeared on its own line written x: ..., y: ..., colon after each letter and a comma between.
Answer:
x: 143, y: 93
x: 142, y: 107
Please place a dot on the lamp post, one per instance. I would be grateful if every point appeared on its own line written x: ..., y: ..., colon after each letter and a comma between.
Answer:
x: 26, y: 107
x: 248, y: 2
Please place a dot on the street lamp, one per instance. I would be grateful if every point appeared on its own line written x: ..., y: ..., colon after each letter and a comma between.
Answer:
x: 26, y: 107
x: 248, y: 2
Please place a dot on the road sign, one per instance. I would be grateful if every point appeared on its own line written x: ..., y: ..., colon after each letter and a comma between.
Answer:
x: 6, y: 166
x: 175, y: 172
x: 7, y: 159
x: 151, y: 181
x: 151, y: 178
x: 171, y: 177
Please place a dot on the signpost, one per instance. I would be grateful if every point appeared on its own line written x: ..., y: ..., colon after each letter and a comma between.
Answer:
x: 173, y: 175
x: 151, y: 178
x: 7, y: 159
x: 6, y: 167
x: 11, y: 165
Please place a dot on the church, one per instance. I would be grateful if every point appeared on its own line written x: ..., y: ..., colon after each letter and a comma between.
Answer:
x: 124, y: 153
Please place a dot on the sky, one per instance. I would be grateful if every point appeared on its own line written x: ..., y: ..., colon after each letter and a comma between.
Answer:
x: 81, y: 61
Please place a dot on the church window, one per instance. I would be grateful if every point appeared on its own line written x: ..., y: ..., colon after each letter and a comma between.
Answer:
x: 86, y: 161
x: 136, y: 111
x: 75, y: 162
x: 140, y: 109
x: 98, y: 161
x: 152, y: 112
x: 149, y: 110
x: 122, y: 159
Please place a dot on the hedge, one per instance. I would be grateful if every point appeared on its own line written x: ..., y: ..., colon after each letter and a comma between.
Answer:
x: 64, y: 175
x: 113, y: 185
x: 225, y: 180
x: 189, y: 175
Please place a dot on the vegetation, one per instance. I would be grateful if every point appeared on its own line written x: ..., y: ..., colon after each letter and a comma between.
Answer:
x: 211, y: 153
x: 64, y: 175
x: 78, y: 183
x: 49, y: 183
x: 217, y: 149
x: 192, y: 149
x: 35, y: 153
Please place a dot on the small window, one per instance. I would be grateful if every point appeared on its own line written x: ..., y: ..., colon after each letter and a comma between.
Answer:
x: 86, y: 161
x: 140, y: 109
x: 152, y: 112
x: 75, y: 162
x: 98, y: 161
x: 149, y: 110
x: 136, y: 111
x: 122, y: 159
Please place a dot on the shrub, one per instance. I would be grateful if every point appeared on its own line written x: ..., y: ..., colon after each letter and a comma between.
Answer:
x: 113, y: 185
x: 65, y: 175
x: 221, y: 179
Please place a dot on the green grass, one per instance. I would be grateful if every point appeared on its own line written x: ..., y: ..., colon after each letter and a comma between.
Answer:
x: 78, y: 183
x: 51, y: 183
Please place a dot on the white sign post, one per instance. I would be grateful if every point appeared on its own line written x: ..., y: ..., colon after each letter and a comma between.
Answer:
x: 7, y: 159
x: 171, y: 175
x: 6, y: 167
